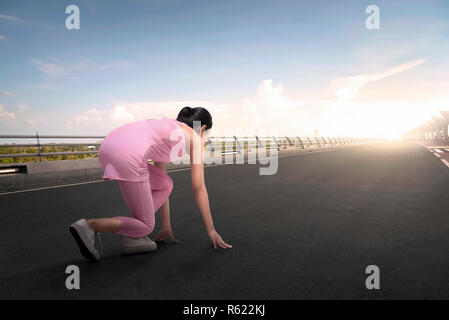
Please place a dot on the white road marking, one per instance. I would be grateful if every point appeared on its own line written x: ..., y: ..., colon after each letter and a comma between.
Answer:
x: 51, y: 187
x: 445, y: 162
x: 437, y: 155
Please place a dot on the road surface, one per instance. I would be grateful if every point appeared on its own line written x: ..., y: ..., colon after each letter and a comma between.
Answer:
x: 308, y: 231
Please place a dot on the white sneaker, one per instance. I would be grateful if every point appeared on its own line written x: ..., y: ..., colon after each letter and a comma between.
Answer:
x: 85, y: 238
x: 131, y: 246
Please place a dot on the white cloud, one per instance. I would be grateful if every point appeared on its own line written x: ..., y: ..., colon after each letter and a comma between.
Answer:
x: 22, y: 106
x: 6, y: 115
x: 120, y: 113
x: 269, y: 110
x: 2, y: 37
x: 9, y: 18
x: 6, y: 93
x: 272, y: 110
x: 50, y: 69
x: 103, y: 120
x: 43, y: 86
x: 346, y: 88
x: 31, y: 122
x: 57, y: 69
x: 266, y: 110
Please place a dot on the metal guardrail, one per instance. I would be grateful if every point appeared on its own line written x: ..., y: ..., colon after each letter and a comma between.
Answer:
x: 225, y: 145
x: 241, y: 144
x: 39, y: 145
x: 436, y: 129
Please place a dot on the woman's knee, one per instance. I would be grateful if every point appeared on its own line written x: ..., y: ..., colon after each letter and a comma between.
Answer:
x: 148, y: 225
x: 149, y: 228
x: 169, y: 184
x: 166, y: 184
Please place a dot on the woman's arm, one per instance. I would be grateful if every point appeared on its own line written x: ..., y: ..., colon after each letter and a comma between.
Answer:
x: 200, y: 192
x: 201, y: 196
x: 198, y: 184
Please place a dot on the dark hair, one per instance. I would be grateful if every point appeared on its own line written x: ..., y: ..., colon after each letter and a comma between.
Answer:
x: 188, y: 115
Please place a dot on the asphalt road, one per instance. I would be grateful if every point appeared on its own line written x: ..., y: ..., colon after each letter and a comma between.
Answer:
x: 308, y: 231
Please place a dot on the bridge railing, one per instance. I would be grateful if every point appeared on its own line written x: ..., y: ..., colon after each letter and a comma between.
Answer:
x: 435, y: 130
x: 224, y: 145
x: 38, y: 146
x: 249, y: 144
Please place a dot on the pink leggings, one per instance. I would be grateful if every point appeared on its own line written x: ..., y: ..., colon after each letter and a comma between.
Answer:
x: 144, y: 198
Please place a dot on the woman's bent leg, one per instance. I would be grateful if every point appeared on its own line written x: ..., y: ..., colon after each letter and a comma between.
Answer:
x: 105, y: 224
x: 161, y: 186
x: 139, y: 199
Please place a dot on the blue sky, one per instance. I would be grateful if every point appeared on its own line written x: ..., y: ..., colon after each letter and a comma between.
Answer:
x: 281, y: 65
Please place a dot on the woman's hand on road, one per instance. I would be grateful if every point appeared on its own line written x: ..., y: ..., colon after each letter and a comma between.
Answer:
x: 164, y: 234
x: 217, y: 240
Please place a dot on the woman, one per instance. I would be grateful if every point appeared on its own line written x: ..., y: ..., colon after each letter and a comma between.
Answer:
x: 146, y: 188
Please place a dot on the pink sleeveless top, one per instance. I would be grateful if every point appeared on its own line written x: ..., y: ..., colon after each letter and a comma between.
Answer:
x: 125, y: 151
